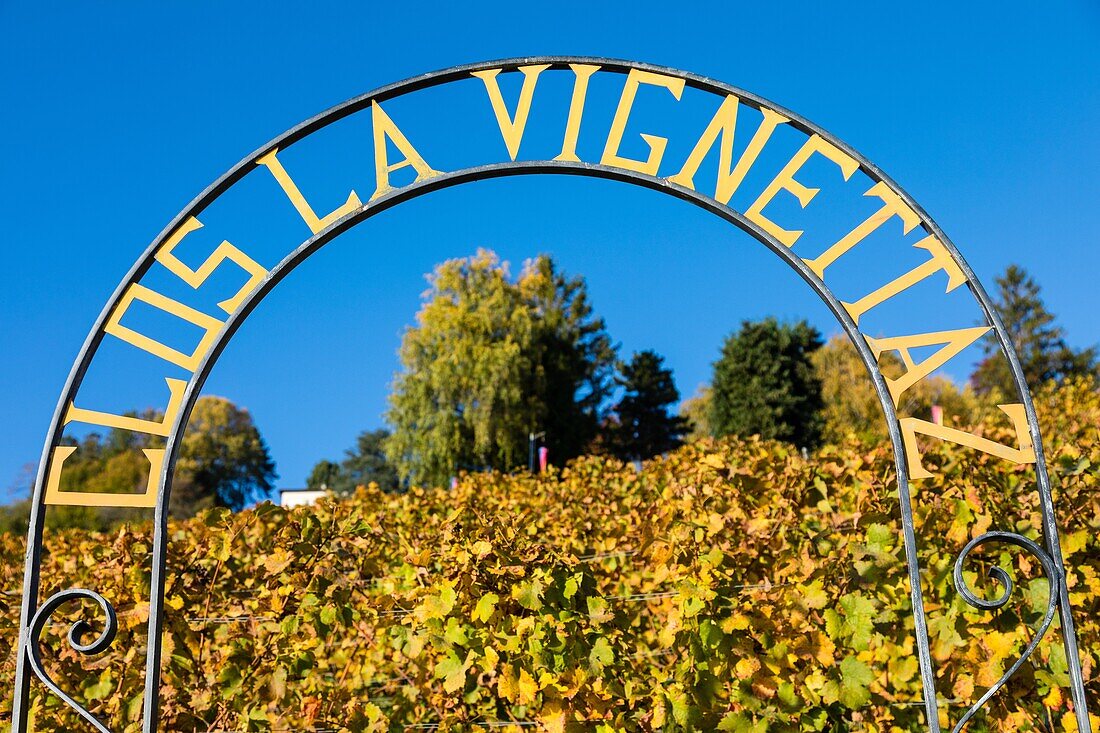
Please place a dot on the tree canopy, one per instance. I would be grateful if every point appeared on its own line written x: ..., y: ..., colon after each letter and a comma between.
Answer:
x: 573, y: 359
x: 491, y: 360
x: 363, y: 465
x: 851, y: 404
x: 1039, y: 341
x: 765, y: 384
x: 696, y: 411
x: 223, y: 459
x: 644, y: 427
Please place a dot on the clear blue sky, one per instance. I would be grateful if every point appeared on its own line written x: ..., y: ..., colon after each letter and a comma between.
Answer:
x: 116, y: 115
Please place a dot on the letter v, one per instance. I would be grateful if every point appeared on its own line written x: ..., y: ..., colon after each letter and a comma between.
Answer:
x: 511, y: 129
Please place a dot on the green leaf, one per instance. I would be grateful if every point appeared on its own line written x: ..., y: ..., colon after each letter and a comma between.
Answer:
x: 859, y: 615
x: 441, y: 605
x: 452, y: 671
x: 709, y: 633
x: 1038, y: 594
x: 880, y: 539
x: 572, y: 585
x: 135, y: 707
x: 529, y: 594
x: 741, y: 723
x: 485, y: 607
x: 855, y: 677
x: 945, y: 635
x: 101, y: 688
x: 601, y: 654
x: 597, y: 610
x: 788, y: 696
x: 455, y: 632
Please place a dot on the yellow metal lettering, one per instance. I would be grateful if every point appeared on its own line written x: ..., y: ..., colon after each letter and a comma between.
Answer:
x: 176, y: 388
x: 911, y: 427
x: 225, y: 251
x: 954, y: 342
x: 724, y: 123
x: 581, y: 73
x: 314, y: 222
x: 941, y: 260
x: 384, y: 128
x: 892, y: 206
x: 54, y: 494
x: 209, y: 324
x: 656, y: 144
x: 785, y: 182
x: 511, y: 128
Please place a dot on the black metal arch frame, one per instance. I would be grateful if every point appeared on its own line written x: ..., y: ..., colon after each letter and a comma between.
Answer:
x: 34, y: 617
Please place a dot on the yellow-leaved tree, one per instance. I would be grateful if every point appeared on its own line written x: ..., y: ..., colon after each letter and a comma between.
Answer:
x: 492, y: 360
x: 851, y: 404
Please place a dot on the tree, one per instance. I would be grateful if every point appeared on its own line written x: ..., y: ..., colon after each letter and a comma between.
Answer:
x: 852, y: 406
x: 645, y: 427
x: 22, y: 483
x: 365, y: 464
x: 572, y: 356
x: 1039, y: 342
x: 324, y: 475
x: 223, y: 461
x: 105, y: 465
x: 764, y: 383
x: 696, y: 410
x: 490, y: 361
x: 850, y: 403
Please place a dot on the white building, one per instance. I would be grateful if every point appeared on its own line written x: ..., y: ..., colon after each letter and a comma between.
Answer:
x: 300, y: 497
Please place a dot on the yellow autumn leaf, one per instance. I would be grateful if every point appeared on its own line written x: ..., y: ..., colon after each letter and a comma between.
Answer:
x: 527, y: 687
x: 963, y: 689
x: 553, y: 722
x: 1069, y: 723
x: 747, y: 667
x: 507, y: 685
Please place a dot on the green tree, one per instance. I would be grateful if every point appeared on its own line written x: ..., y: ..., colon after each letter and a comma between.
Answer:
x: 572, y: 359
x: 644, y: 425
x: 764, y: 383
x: 324, y: 475
x: 1039, y: 341
x: 105, y: 465
x: 366, y: 463
x: 491, y: 360
x: 224, y: 461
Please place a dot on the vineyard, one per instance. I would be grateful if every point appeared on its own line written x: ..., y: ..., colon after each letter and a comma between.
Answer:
x: 730, y: 586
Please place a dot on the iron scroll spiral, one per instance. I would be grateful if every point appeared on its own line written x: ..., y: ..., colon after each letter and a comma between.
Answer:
x: 999, y: 574
x: 76, y: 632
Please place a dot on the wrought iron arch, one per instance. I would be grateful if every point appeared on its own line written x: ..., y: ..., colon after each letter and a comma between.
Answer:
x: 34, y: 616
